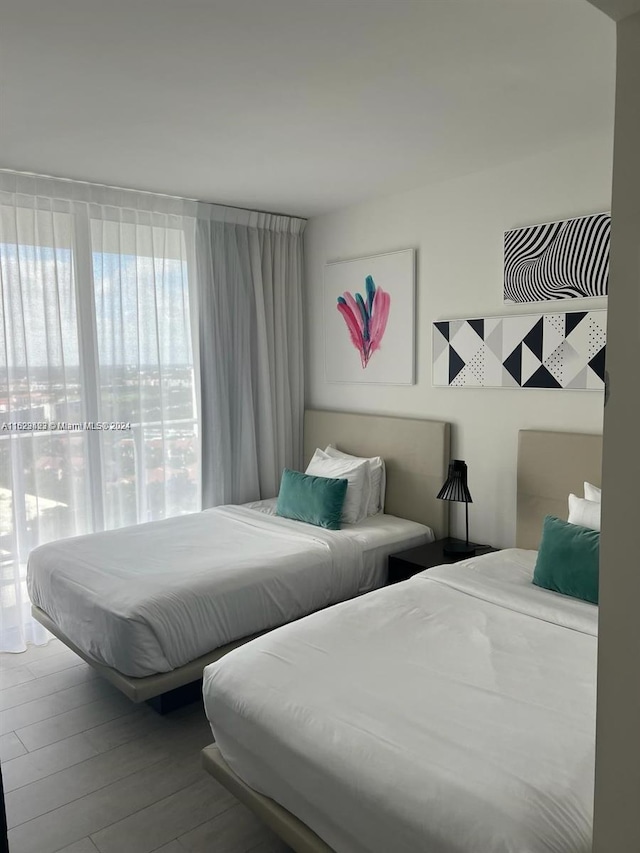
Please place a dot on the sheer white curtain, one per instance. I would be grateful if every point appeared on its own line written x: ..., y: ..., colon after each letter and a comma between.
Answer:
x: 99, y: 324
x: 98, y: 424
x: 249, y: 273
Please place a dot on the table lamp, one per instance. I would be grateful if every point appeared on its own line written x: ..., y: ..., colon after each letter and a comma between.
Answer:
x: 456, y: 489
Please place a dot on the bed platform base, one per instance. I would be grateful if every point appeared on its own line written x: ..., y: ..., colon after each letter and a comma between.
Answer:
x: 286, y: 826
x: 165, y: 691
x: 176, y: 698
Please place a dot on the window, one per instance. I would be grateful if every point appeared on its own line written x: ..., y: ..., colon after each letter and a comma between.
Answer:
x: 98, y: 425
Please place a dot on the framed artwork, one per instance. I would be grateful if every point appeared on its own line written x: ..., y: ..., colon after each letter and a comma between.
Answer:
x: 558, y: 260
x: 564, y: 350
x: 369, y: 319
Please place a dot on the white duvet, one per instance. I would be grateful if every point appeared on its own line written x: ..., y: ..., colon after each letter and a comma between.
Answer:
x: 151, y: 598
x: 452, y: 713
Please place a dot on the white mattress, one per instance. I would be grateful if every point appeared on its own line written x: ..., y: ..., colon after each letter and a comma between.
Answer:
x: 151, y: 598
x: 454, y: 713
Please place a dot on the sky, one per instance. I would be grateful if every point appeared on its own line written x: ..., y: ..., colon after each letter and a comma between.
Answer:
x: 141, y: 308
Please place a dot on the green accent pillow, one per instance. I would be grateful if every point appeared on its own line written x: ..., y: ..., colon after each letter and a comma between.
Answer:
x: 316, y: 500
x: 568, y: 559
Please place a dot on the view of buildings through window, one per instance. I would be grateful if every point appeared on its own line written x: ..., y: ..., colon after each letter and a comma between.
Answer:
x: 133, y: 374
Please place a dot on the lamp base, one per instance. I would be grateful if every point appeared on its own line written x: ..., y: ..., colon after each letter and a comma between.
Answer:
x: 459, y: 549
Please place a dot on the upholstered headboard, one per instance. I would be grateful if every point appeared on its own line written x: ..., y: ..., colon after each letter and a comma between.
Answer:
x: 416, y: 453
x: 550, y: 466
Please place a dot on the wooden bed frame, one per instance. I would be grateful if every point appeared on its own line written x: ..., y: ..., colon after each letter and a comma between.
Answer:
x: 550, y: 466
x: 416, y: 454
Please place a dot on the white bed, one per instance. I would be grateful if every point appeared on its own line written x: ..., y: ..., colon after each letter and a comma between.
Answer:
x: 451, y: 713
x: 151, y: 598
x: 434, y: 715
x: 150, y: 606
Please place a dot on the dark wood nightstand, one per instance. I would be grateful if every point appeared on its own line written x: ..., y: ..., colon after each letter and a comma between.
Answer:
x: 405, y: 564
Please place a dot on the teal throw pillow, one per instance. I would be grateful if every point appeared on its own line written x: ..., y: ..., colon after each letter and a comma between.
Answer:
x: 316, y: 500
x: 568, y: 559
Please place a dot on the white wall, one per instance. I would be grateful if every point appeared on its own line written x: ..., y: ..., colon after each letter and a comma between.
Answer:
x: 457, y: 228
x: 617, y: 819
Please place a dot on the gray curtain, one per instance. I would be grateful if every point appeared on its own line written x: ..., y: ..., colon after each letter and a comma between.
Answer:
x: 250, y: 331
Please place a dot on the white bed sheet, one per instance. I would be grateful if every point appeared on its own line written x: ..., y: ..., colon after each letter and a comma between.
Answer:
x: 452, y: 713
x: 377, y: 536
x: 151, y: 598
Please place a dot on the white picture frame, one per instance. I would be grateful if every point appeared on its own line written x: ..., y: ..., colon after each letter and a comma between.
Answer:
x: 563, y: 350
x: 560, y: 260
x: 370, y: 338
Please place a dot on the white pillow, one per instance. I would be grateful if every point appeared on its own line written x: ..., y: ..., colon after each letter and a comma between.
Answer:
x: 358, y: 476
x: 592, y: 493
x: 583, y: 512
x: 378, y: 477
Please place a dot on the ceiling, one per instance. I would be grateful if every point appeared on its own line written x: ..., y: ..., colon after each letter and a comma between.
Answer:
x: 617, y: 9
x: 296, y: 106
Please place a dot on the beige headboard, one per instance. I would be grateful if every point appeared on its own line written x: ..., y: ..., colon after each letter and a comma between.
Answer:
x: 416, y: 453
x: 550, y: 466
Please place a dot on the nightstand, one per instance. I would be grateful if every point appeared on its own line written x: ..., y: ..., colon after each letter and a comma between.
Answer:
x: 404, y: 564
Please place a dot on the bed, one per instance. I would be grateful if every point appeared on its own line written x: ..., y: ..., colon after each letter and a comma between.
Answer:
x: 149, y: 606
x: 451, y: 713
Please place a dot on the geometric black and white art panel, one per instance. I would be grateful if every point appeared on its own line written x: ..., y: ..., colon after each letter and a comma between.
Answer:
x: 558, y: 260
x: 563, y: 350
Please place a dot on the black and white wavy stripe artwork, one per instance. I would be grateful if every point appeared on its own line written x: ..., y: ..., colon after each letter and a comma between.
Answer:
x: 559, y: 260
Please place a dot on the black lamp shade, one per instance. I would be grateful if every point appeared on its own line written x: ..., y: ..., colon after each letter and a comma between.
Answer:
x: 455, y: 488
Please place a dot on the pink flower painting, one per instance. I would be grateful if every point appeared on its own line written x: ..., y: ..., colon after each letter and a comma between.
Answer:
x: 366, y: 318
